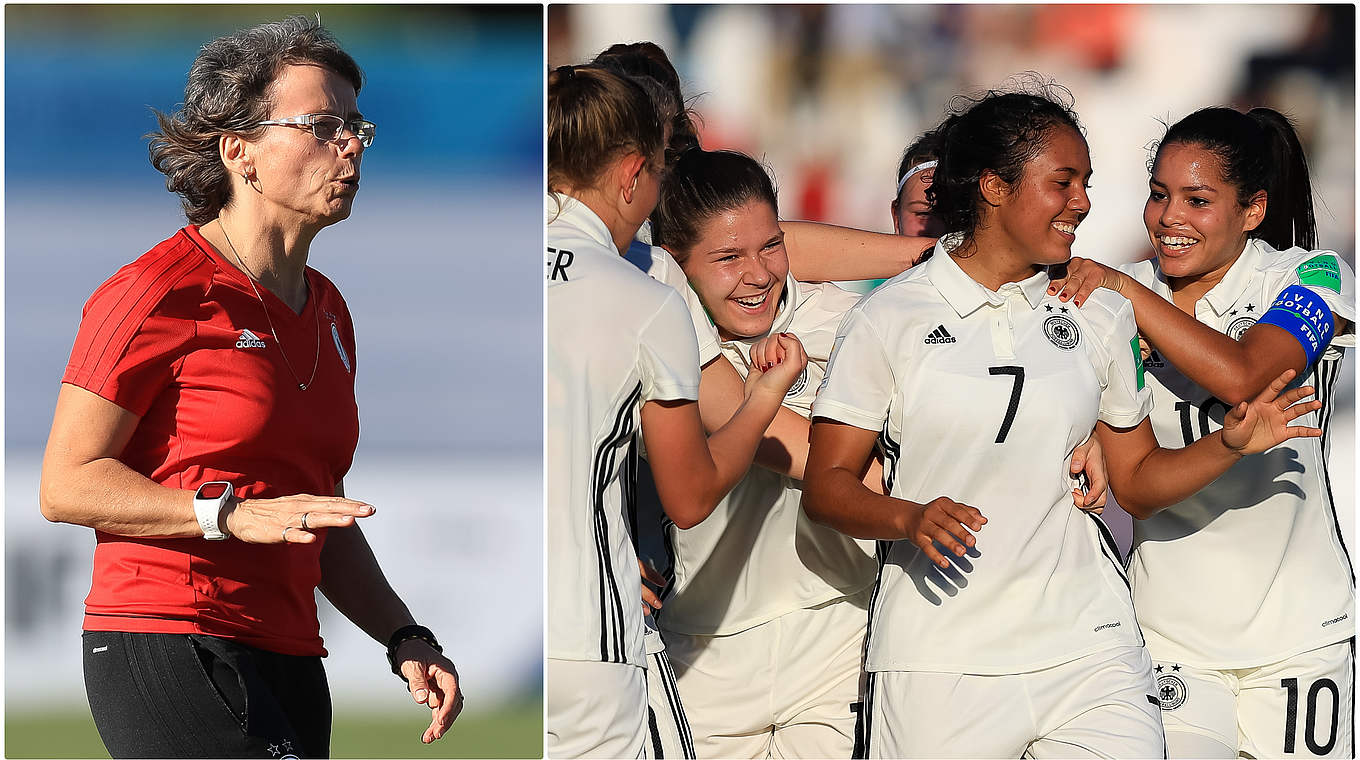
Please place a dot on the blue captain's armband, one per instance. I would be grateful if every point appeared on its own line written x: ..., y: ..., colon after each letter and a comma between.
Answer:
x: 1304, y: 315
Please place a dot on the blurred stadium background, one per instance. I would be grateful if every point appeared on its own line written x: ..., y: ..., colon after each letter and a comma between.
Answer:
x: 829, y: 96
x: 449, y: 323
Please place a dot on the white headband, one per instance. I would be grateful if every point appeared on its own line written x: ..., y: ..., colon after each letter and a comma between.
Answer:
x: 915, y: 170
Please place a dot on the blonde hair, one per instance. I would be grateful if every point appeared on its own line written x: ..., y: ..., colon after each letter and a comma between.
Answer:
x: 594, y: 117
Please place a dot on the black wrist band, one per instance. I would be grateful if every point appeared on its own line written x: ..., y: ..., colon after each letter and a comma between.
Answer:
x: 406, y: 633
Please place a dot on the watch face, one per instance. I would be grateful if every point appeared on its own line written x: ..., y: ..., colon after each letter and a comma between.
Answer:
x: 212, y: 491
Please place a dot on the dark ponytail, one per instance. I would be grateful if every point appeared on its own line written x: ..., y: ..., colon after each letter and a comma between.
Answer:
x: 646, y: 61
x: 1258, y: 150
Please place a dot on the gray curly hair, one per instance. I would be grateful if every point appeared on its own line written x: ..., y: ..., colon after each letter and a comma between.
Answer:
x: 228, y: 91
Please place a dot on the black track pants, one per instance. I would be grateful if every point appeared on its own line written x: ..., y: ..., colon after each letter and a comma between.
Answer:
x: 187, y: 695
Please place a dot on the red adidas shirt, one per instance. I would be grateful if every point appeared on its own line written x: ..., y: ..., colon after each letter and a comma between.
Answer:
x: 179, y: 338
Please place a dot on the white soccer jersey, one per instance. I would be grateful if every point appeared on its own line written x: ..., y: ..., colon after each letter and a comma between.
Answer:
x: 1253, y: 568
x: 981, y: 397
x: 615, y: 339
x: 758, y: 556
x: 660, y: 266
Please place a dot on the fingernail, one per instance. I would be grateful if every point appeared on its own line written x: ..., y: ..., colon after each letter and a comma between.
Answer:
x: 422, y: 695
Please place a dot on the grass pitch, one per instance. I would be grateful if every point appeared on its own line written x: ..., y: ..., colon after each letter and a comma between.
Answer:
x: 510, y: 730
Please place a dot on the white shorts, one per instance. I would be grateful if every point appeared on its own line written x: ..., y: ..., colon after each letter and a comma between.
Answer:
x: 668, y: 732
x: 1302, y: 706
x: 595, y: 709
x: 1100, y: 705
x: 785, y: 688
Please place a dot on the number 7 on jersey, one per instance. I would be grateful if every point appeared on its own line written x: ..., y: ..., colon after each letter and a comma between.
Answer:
x: 1019, y: 374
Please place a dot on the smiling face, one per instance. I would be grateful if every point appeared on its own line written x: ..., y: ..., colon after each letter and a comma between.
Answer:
x: 1035, y: 221
x: 1193, y: 217
x: 911, y: 212
x: 737, y: 267
x: 297, y: 174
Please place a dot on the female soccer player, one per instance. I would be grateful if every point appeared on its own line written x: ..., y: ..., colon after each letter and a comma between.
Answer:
x: 783, y: 450
x: 912, y: 214
x: 1254, y: 649
x: 976, y: 385
x: 911, y: 210
x: 207, y: 419
x: 764, y: 618
x: 620, y: 350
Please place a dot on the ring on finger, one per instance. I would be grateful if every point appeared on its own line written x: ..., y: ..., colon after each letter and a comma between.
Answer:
x: 304, y: 520
x: 286, y: 528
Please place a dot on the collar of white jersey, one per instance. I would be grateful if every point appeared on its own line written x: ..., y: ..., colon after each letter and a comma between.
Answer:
x: 783, y: 319
x: 967, y: 295
x: 564, y: 209
x: 1223, y: 296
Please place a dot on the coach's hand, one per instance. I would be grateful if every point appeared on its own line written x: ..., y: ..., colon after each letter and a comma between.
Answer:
x: 433, y: 682
x: 291, y: 519
x: 1251, y: 428
x: 942, y: 520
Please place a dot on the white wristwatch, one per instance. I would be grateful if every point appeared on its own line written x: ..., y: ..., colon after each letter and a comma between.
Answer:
x: 209, y: 500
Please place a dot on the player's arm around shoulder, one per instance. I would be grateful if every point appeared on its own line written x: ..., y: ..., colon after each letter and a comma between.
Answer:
x: 1234, y: 370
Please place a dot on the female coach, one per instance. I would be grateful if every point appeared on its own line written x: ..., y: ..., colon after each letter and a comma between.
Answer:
x: 207, y: 419
x: 1255, y: 648
x: 977, y: 385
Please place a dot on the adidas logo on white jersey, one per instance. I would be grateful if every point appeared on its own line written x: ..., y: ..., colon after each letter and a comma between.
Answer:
x: 249, y: 339
x: 940, y: 335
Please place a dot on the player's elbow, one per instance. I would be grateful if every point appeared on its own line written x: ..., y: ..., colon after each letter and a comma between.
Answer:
x: 689, y: 509
x: 815, y: 507
x: 1236, y: 391
x: 687, y: 516
x: 1139, y: 510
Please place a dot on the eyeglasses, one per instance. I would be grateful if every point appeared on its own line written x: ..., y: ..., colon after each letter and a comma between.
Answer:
x: 327, y: 127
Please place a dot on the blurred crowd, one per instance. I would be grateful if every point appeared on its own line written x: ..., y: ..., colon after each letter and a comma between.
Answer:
x: 829, y: 96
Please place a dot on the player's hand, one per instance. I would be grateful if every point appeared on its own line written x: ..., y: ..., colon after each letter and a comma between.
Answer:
x: 767, y: 352
x: 650, y: 601
x: 776, y: 363
x: 943, y: 520
x: 291, y: 519
x: 1253, y: 427
x: 873, y: 475
x: 1089, y: 459
x: 433, y: 681
x: 1144, y: 347
x: 1083, y: 277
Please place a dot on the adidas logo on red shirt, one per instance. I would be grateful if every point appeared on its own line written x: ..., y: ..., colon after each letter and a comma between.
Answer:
x: 249, y: 339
